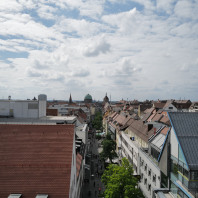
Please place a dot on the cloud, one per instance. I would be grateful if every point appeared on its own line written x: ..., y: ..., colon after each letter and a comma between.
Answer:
x: 80, y: 72
x: 46, y: 12
x: 86, y: 45
x: 96, y: 48
x: 186, y: 9
x: 13, y: 5
x: 166, y: 6
x: 82, y: 27
x: 148, y: 4
x: 126, y: 68
x: 124, y: 21
x: 33, y: 73
x: 47, y: 76
x: 4, y: 65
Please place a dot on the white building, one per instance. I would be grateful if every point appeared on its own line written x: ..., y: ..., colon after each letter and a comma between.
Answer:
x: 129, y: 149
x: 24, y: 108
x: 150, y: 174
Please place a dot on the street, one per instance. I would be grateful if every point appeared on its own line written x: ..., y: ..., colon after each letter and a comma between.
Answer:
x: 94, y: 187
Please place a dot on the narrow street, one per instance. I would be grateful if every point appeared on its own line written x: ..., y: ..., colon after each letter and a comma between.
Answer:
x: 94, y: 187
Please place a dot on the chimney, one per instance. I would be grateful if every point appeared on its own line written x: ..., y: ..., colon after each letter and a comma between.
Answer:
x: 154, y: 131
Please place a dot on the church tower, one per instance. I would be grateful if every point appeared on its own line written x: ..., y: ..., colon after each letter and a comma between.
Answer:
x: 70, y: 99
x: 106, y: 99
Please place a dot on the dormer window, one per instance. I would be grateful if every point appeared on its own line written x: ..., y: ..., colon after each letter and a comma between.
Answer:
x: 14, y: 195
x: 42, y: 196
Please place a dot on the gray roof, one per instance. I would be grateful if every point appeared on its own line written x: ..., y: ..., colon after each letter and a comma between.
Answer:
x: 185, y: 125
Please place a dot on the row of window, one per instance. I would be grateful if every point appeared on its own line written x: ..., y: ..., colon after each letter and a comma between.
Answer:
x: 148, y: 186
x: 148, y: 171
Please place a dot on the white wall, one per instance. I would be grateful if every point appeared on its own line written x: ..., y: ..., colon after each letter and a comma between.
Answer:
x: 154, y: 173
x: 4, y: 108
x: 132, y: 146
x: 23, y: 108
x: 42, y: 108
x: 174, y: 109
x: 174, y: 143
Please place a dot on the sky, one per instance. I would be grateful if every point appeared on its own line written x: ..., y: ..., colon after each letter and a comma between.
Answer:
x: 129, y: 49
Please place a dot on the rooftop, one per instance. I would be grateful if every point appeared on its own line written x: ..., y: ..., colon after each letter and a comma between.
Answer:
x: 185, y: 125
x: 44, y: 120
x: 36, y: 158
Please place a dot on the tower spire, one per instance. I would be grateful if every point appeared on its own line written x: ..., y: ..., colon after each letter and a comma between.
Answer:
x: 70, y: 99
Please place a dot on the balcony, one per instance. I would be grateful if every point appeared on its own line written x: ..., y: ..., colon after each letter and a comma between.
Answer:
x: 188, y: 184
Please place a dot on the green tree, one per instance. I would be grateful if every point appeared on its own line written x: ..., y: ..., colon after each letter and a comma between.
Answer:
x: 97, y: 122
x: 108, y: 151
x: 119, y: 181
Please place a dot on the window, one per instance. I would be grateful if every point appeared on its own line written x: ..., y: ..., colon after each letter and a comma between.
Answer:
x: 174, y: 168
x: 32, y: 105
x: 170, y: 107
x: 145, y: 181
x: 154, y: 179
x: 142, y: 162
x: 42, y: 196
x: 145, y: 167
x: 149, y: 187
x: 14, y: 195
x: 149, y: 172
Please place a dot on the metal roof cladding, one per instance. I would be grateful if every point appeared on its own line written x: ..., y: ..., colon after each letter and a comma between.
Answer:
x: 185, y: 125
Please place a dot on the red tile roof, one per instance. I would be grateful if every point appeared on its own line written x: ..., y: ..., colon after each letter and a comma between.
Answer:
x: 141, y: 130
x: 36, y: 159
x: 149, y: 110
x: 151, y: 117
x: 157, y: 117
x: 159, y: 105
x: 165, y: 130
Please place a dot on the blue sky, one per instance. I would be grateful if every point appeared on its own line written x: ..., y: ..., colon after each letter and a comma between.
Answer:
x: 135, y: 49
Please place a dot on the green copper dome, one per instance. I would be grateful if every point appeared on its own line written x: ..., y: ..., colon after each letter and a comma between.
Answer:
x: 88, y: 97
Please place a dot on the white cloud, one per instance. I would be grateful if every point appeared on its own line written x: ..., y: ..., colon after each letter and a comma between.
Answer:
x: 63, y: 45
x: 46, y: 12
x: 80, y: 72
x: 125, y: 21
x: 79, y: 27
x: 186, y: 9
x: 12, y: 5
x: 4, y: 65
x: 97, y: 47
x: 166, y: 6
x: 148, y: 4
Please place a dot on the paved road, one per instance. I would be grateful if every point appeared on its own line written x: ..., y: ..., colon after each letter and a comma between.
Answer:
x: 95, y: 186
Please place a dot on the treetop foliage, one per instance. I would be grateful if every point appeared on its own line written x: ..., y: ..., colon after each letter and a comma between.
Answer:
x: 119, y: 181
x: 97, y: 122
x: 108, y: 151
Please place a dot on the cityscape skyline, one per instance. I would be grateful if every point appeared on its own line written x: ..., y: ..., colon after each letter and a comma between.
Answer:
x: 130, y: 49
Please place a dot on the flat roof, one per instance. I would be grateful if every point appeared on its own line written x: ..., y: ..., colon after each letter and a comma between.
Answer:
x: 44, y: 120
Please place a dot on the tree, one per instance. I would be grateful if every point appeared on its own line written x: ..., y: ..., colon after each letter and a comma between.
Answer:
x: 119, y: 181
x: 108, y: 151
x: 97, y: 122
